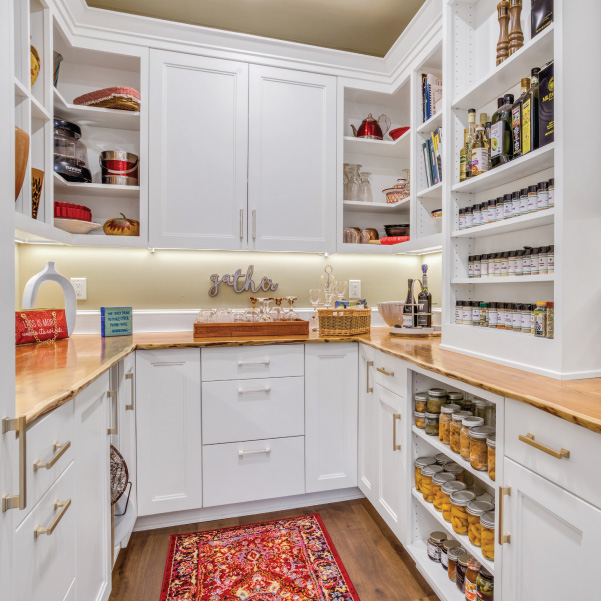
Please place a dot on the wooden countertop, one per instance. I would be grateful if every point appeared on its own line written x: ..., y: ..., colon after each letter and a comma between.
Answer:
x: 48, y: 375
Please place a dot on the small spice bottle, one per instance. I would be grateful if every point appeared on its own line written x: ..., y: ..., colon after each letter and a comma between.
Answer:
x: 491, y: 444
x: 540, y: 319
x: 437, y: 481
x: 459, y: 501
x: 476, y: 313
x: 469, y: 217
x: 483, y: 315
x: 534, y: 261
x: 444, y: 552
x: 471, y: 576
x: 551, y: 259
x: 455, y: 430
x: 464, y: 440
x: 477, y: 214
x: 532, y: 318
x: 436, y: 398
x: 543, y: 195
x: 474, y: 510
x: 434, y: 545
x: 543, y: 260
x: 453, y: 555
x: 505, y: 264
x: 418, y: 464
x: 484, y: 266
x: 470, y: 266
x: 459, y: 312
x: 487, y: 530
x: 519, y: 262
x: 478, y: 450
x: 467, y: 313
x: 460, y: 571
x: 420, y: 419
x: 516, y: 318
x: 499, y: 209
x: 492, y: 315
x: 509, y: 311
x: 498, y: 263
x: 432, y: 424
x: 507, y: 206
x: 449, y: 488
x: 428, y: 472
x: 501, y: 316
x: 523, y: 201
x: 461, y: 219
x: 477, y: 266
x: 526, y: 318
x: 515, y: 203
x: 551, y: 192
x: 492, y: 210
x: 485, y: 583
x: 421, y: 401
x: 512, y: 264
x: 444, y: 428
x: 527, y: 261
x: 550, y: 319
x: 532, y: 199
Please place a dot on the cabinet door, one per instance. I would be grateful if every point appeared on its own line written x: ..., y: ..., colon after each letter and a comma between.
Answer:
x: 554, y: 539
x: 93, y: 506
x: 367, y: 439
x: 168, y: 427
x: 198, y: 139
x: 292, y: 160
x: 331, y: 416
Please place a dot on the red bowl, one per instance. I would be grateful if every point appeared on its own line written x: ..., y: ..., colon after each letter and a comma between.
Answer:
x: 395, y: 134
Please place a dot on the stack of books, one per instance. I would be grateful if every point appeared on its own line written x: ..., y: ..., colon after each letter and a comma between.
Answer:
x: 431, y: 95
x: 432, y: 151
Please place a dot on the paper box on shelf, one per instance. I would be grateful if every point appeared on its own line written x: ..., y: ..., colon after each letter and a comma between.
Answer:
x: 541, y: 15
x: 116, y: 321
x: 546, y: 109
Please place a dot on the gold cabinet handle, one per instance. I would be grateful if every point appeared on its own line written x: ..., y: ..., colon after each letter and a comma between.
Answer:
x: 130, y: 377
x: 529, y: 439
x: 503, y: 538
x: 383, y: 371
x: 19, y: 426
x: 59, y: 450
x: 395, y: 417
x: 112, y: 394
x: 63, y: 506
x: 368, y: 364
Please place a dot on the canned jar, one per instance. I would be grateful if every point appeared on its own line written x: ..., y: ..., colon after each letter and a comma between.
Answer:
x: 459, y: 501
x: 464, y: 439
x: 455, y: 469
x: 444, y: 552
x: 455, y: 430
x: 487, y: 528
x: 478, y: 450
x: 437, y: 481
x: 420, y: 419
x: 474, y: 510
x: 441, y: 459
x: 448, y: 488
x: 452, y: 557
x: 460, y: 571
x: 471, y: 575
x: 421, y: 401
x: 428, y: 472
x: 485, y: 584
x: 434, y: 545
x: 444, y: 429
x: 455, y: 398
x: 491, y: 444
x: 436, y: 398
x: 432, y: 424
x: 418, y: 464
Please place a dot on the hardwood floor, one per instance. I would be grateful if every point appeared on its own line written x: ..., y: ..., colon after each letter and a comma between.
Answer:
x: 379, y: 567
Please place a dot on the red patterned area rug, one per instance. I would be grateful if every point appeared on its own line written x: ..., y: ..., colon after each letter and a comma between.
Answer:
x: 287, y: 560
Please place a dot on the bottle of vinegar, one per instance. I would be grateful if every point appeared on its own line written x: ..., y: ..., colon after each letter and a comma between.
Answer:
x: 516, y: 119
x: 501, y: 147
x: 530, y: 115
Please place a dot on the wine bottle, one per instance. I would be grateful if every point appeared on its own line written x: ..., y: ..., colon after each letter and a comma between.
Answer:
x: 463, y: 158
x: 424, y: 300
x: 471, y: 132
x: 516, y: 119
x: 409, y: 314
x: 501, y: 148
x: 530, y: 115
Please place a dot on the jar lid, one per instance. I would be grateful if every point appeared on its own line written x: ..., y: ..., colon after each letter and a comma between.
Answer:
x: 478, y: 402
x: 462, y: 497
x: 471, y: 421
x: 433, y: 415
x: 420, y: 396
x: 486, y: 574
x: 463, y: 559
x: 491, y: 440
x: 455, y: 552
x: 451, y: 544
x: 479, y: 507
x: 477, y: 490
x: 431, y: 470
x: 488, y: 520
x: 455, y: 396
x: 441, y: 459
x: 481, y: 432
x: 419, y: 414
x: 437, y: 392
x: 453, y: 468
x: 443, y: 477
x: 457, y: 417
x: 438, y: 537
x: 473, y: 564
x: 450, y: 408
x: 453, y: 486
x: 421, y: 461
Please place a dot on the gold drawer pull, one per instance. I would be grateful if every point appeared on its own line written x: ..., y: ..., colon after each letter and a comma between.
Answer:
x: 266, y: 451
x: 368, y: 364
x: 503, y: 538
x: 529, y: 439
x: 19, y: 426
x: 130, y: 377
x: 395, y: 417
x: 59, y: 450
x: 383, y: 371
x: 63, y: 505
x: 114, y: 429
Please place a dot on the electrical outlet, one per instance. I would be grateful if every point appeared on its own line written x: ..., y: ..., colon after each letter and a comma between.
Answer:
x: 80, y: 288
x: 354, y: 289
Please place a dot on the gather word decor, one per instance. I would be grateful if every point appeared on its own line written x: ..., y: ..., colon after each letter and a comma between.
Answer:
x: 241, y: 282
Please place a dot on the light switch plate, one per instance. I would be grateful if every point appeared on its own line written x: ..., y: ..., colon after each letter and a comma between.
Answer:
x: 354, y: 289
x: 80, y: 288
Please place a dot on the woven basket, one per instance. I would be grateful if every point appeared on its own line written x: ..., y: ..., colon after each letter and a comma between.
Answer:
x: 344, y: 322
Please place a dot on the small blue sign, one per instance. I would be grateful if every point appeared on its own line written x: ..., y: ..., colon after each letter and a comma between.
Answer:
x: 116, y: 321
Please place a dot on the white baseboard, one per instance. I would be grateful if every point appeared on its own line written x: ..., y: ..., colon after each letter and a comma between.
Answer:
x: 206, y: 514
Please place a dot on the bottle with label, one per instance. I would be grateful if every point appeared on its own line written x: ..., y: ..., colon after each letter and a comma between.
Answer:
x: 487, y: 128
x: 409, y: 315
x: 479, y: 152
x: 516, y: 119
x: 469, y: 141
x: 462, y: 158
x: 530, y: 115
x: 424, y: 300
x: 501, y: 148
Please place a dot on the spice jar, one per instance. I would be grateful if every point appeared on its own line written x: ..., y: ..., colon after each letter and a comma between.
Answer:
x: 540, y: 320
x: 551, y: 192
x: 464, y: 440
x: 444, y: 552
x: 462, y: 219
x: 550, y: 319
x: 444, y: 430
x: 455, y: 430
x: 428, y: 472
x: 499, y: 209
x: 523, y: 201
x: 478, y: 450
x: 448, y: 488
x: 543, y: 195
x: 420, y: 419
x: 485, y: 585
x: 471, y: 575
x: 459, y: 501
x: 432, y: 424
x: 551, y: 258
x: 452, y: 557
x: 441, y: 459
x: 532, y: 199
x: 437, y: 397
x: 434, y: 545
x: 455, y: 469
x: 469, y: 217
x: 491, y: 443
x: 418, y: 464
x: 460, y: 571
x: 474, y: 510
x: 437, y: 481
x: 421, y: 401
x: 487, y: 530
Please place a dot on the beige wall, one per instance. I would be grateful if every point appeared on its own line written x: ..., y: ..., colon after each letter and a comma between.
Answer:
x: 172, y: 279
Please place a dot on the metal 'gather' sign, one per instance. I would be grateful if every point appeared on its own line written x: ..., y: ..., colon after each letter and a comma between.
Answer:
x: 241, y: 282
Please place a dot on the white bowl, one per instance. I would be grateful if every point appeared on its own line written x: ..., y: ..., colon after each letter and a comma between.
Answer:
x: 392, y: 312
x: 76, y: 226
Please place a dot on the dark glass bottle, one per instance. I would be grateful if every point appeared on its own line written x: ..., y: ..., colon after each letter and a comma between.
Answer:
x: 424, y: 299
x: 516, y: 119
x: 501, y: 148
x: 409, y: 314
x: 530, y: 115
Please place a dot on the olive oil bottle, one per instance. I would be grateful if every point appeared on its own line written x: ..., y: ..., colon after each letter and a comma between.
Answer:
x: 516, y: 119
x: 462, y: 158
x: 479, y: 152
x: 471, y: 133
x: 530, y: 115
x: 501, y: 148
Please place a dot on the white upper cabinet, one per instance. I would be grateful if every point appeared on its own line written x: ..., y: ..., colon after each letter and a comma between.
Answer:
x: 198, y: 152
x: 292, y: 160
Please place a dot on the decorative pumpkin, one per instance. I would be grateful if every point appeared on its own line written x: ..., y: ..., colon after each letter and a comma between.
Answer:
x: 21, y: 158
x: 121, y: 227
x: 35, y: 65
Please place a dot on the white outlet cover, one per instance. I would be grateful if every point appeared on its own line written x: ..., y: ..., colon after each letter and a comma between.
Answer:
x: 354, y: 287
x: 79, y: 284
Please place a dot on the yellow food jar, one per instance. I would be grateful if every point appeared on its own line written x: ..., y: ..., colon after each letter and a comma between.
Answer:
x: 455, y: 430
x: 459, y: 501
x: 464, y: 437
x: 448, y: 488
x: 491, y: 445
x: 419, y: 463
x: 437, y: 481
x: 428, y: 472
x: 421, y: 401
x: 478, y: 449
x: 474, y: 510
x: 487, y: 527
x: 444, y: 427
x: 420, y: 419
x: 455, y: 469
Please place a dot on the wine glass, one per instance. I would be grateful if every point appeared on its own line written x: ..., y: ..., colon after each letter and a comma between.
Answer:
x: 340, y: 289
x: 290, y: 315
x: 365, y: 194
x: 316, y: 299
x: 276, y: 312
x: 265, y: 308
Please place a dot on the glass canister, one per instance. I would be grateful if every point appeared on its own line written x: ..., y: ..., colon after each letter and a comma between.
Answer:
x: 437, y: 397
x: 474, y: 510
x: 434, y: 545
x: 437, y: 481
x: 444, y: 552
x: 455, y: 398
x: 428, y: 472
x: 485, y: 584
x: 454, y: 468
x: 421, y: 401
x: 487, y: 529
x: 464, y: 440
x: 491, y: 444
x: 420, y: 419
x: 452, y: 557
x: 432, y: 423
x: 441, y: 459
x: 478, y: 449
x: 455, y: 430
x: 448, y: 488
x: 418, y: 464
x: 459, y: 501
x: 460, y: 571
x: 444, y: 428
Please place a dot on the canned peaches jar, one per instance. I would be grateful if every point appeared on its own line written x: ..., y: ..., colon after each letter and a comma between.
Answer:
x: 418, y: 464
x: 478, y: 449
x: 444, y: 427
x: 437, y: 481
x: 428, y: 472
x: 459, y: 501
x: 487, y: 525
x: 448, y: 488
x: 491, y: 444
x: 475, y: 509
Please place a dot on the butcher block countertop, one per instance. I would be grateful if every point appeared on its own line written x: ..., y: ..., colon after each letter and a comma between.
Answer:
x: 48, y: 375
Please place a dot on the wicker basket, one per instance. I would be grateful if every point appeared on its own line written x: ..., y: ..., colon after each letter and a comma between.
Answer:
x: 344, y: 322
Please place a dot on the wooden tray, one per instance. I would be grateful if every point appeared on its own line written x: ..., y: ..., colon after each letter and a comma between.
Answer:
x: 300, y: 327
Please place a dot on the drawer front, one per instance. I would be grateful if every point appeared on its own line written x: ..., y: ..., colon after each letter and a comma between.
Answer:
x: 576, y: 473
x: 50, y: 450
x: 45, y: 565
x: 391, y: 373
x: 241, y: 363
x: 233, y: 475
x: 252, y: 409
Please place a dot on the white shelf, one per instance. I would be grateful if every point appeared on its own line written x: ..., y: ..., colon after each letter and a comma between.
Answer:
x: 532, y: 163
x: 62, y: 186
x: 437, y: 578
x: 38, y: 111
x: 431, y: 124
x: 446, y: 449
x: 20, y: 89
x: 401, y: 148
x: 94, y: 116
x: 462, y: 538
x: 434, y: 192
x: 112, y: 241
x: 514, y: 279
x: 28, y: 229
x: 536, y: 52
x: 514, y: 224
x: 356, y: 206
x: 366, y: 249
x: 426, y: 244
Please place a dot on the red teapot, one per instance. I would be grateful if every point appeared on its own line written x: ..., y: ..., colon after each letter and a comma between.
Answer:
x: 371, y: 128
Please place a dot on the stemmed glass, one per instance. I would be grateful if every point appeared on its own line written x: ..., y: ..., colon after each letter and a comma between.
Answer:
x: 365, y: 194
x: 316, y: 299
x: 265, y: 309
x: 290, y: 315
x: 340, y: 289
x: 277, y: 313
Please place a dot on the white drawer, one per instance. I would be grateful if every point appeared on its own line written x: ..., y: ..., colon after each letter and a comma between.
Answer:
x: 252, y: 409
x: 45, y: 565
x: 56, y: 428
x: 231, y: 475
x: 240, y: 363
x: 578, y: 473
x: 390, y: 372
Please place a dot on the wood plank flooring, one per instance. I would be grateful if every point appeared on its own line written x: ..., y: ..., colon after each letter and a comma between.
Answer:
x: 379, y: 567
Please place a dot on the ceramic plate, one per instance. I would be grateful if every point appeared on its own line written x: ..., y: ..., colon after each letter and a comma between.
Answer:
x: 75, y: 226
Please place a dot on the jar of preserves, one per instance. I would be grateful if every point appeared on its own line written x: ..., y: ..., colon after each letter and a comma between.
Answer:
x: 464, y: 439
x: 418, y: 464
x: 437, y: 397
x: 460, y: 571
x: 441, y: 459
x: 428, y: 472
x: 420, y: 419
x: 455, y: 430
x: 453, y: 555
x: 455, y: 469
x: 491, y: 444
x: 437, y: 481
x: 434, y: 545
x: 478, y: 450
x: 432, y: 424
x: 477, y: 490
x: 474, y: 510
x: 471, y: 575
x: 485, y: 585
x: 487, y: 532
x: 456, y: 398
x: 448, y: 488
x: 444, y: 428
x: 459, y: 501
x: 444, y: 552
x: 421, y: 401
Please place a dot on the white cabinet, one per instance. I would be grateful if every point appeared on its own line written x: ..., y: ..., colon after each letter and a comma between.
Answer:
x: 292, y: 160
x: 553, y: 551
x: 367, y: 443
x: 198, y: 139
x: 169, y: 430
x: 331, y: 416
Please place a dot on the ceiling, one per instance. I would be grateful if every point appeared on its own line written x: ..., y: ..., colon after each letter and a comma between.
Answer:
x: 366, y: 27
